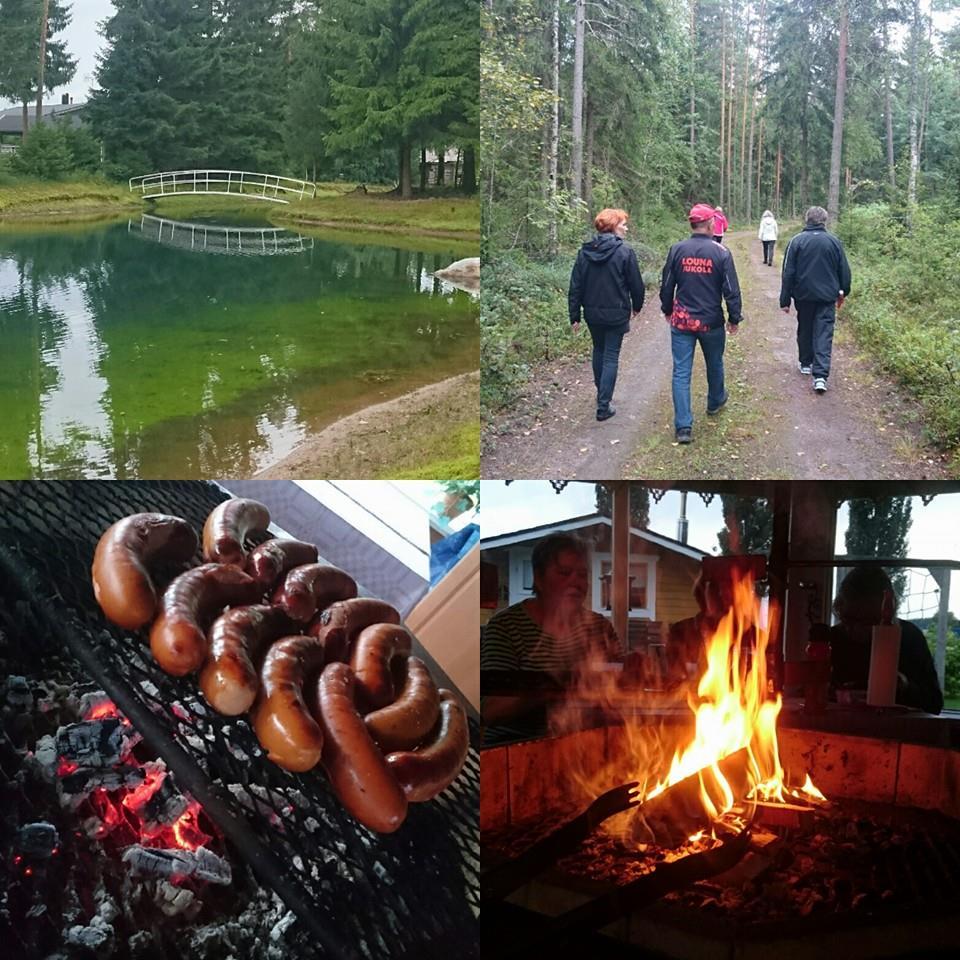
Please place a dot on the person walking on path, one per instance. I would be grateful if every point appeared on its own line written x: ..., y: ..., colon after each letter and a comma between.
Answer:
x: 816, y: 276
x: 697, y: 276
x: 768, y: 236
x: 720, y: 224
x: 605, y: 284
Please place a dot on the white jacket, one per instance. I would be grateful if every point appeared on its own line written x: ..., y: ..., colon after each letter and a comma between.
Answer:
x: 768, y: 229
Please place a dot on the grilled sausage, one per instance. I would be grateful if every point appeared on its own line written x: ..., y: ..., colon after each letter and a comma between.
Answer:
x: 178, y: 638
x: 405, y: 723
x: 340, y: 623
x: 372, y: 656
x: 271, y: 560
x: 430, y: 770
x: 122, y: 582
x: 284, y: 726
x: 227, y: 529
x: 238, y: 639
x: 356, y: 768
x: 312, y: 587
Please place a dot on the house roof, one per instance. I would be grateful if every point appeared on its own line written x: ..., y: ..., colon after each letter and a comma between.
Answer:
x: 11, y: 118
x: 590, y: 520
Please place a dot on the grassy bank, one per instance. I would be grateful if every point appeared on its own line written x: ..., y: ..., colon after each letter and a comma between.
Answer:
x: 524, y: 316
x: 903, y: 308
x: 445, y: 216
x: 455, y: 218
x: 34, y: 199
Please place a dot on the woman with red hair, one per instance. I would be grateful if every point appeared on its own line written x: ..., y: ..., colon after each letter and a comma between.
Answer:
x: 607, y: 287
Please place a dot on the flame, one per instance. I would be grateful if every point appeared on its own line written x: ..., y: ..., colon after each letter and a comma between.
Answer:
x: 102, y: 710
x: 811, y: 791
x: 187, y: 832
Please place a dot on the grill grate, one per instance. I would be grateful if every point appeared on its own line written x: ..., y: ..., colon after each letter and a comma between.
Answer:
x: 414, y: 893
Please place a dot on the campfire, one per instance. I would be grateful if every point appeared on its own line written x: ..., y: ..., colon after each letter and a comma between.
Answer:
x: 709, y: 834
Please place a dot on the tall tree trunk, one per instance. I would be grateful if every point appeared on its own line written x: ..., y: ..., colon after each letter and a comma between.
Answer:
x: 914, y: 111
x: 406, y: 181
x: 925, y: 98
x: 743, y: 175
x: 733, y: 99
x: 588, y: 152
x: 759, y: 158
x: 577, y: 145
x: 779, y: 170
x: 693, y: 79
x: 25, y: 121
x: 554, y: 152
x: 423, y: 169
x: 723, y: 98
x: 887, y: 109
x: 441, y: 166
x: 43, y: 57
x: 839, y: 101
x: 470, y: 171
x: 753, y: 117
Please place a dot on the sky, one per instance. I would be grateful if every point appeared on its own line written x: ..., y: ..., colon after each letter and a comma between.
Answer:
x: 529, y: 503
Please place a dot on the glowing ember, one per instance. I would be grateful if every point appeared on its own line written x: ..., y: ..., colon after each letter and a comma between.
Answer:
x: 137, y: 797
x: 103, y: 710
x: 65, y: 768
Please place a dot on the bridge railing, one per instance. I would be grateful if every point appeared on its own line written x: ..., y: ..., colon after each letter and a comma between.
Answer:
x: 217, y: 238
x: 254, y: 186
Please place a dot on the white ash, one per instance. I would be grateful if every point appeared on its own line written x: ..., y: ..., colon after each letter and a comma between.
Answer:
x: 75, y: 787
x: 174, y: 901
x: 18, y: 695
x: 282, y: 925
x: 298, y: 863
x: 198, y: 743
x: 45, y: 757
x: 149, y: 688
x: 97, y: 935
x: 97, y: 743
x: 91, y: 701
x: 203, y: 864
x: 141, y: 944
x: 264, y: 802
x: 311, y: 824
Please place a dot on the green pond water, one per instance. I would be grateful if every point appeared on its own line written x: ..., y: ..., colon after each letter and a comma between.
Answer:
x: 150, y: 349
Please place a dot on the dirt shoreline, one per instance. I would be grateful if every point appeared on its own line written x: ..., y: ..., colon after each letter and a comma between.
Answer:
x: 371, y: 441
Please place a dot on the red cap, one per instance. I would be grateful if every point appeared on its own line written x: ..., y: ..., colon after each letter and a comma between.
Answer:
x: 700, y: 213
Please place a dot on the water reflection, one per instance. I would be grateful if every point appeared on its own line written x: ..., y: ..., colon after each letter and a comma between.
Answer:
x: 220, y: 238
x: 127, y: 359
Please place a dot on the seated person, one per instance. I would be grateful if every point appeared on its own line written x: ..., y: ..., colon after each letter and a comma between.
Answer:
x: 858, y: 607
x: 551, y: 632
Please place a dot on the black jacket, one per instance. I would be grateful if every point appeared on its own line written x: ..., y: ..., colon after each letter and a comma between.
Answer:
x: 815, y: 268
x: 851, y: 667
x: 697, y: 274
x: 605, y: 281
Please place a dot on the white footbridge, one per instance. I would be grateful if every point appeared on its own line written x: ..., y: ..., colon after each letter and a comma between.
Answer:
x: 223, y: 183
x: 218, y: 238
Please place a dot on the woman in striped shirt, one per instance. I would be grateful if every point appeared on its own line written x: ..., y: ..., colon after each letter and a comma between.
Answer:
x: 551, y: 632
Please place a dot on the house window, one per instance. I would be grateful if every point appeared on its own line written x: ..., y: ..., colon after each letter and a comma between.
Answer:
x: 643, y: 586
x: 521, y: 574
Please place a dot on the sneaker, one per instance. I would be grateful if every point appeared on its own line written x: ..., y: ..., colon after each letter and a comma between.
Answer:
x: 806, y: 371
x: 712, y: 411
x: 606, y: 413
x: 685, y: 435
x: 820, y: 385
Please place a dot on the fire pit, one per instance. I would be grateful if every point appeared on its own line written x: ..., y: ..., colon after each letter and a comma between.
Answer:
x: 343, y: 890
x: 731, y: 849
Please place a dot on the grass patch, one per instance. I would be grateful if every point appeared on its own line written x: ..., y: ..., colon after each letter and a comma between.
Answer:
x: 903, y: 308
x: 455, y: 216
x: 451, y: 456
x: 34, y: 199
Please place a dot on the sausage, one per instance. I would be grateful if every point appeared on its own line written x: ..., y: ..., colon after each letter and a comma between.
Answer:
x: 406, y: 722
x: 228, y: 527
x: 178, y: 638
x: 372, y: 655
x: 430, y: 770
x: 313, y: 587
x: 121, y: 577
x: 271, y: 560
x: 238, y: 639
x: 339, y: 624
x: 355, y: 766
x: 284, y: 726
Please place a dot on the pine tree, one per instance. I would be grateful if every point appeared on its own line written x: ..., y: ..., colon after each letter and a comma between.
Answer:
x: 749, y: 525
x: 639, y: 504
x: 879, y: 528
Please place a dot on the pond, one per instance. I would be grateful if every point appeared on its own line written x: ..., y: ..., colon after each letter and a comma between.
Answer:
x: 158, y: 348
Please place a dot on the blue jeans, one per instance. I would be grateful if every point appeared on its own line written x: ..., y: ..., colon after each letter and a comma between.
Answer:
x: 606, y: 358
x: 683, y: 344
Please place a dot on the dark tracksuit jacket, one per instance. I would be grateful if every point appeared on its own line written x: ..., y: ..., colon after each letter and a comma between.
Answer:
x: 605, y: 282
x: 815, y: 268
x: 698, y: 274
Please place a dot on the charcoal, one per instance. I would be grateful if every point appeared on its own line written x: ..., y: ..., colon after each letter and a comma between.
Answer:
x: 96, y: 743
x: 75, y: 787
x: 18, y: 694
x: 37, y: 841
x: 174, y: 900
x: 201, y: 863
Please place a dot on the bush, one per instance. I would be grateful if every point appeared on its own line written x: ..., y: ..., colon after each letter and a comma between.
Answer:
x: 54, y: 151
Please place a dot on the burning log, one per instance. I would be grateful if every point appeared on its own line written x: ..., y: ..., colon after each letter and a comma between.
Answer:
x: 178, y: 864
x: 669, y: 817
x: 790, y: 815
x: 74, y: 787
